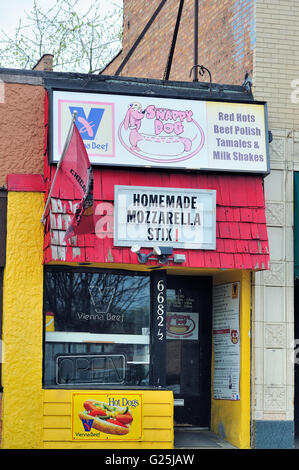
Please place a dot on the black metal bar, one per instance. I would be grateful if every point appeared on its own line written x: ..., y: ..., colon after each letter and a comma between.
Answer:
x: 1, y: 321
x: 201, y: 70
x: 140, y: 37
x: 3, y: 224
x: 158, y: 328
x: 3, y: 235
x: 195, y: 59
x: 173, y: 42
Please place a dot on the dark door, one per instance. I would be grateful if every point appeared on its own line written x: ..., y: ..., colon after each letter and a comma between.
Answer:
x: 188, y: 348
x: 296, y: 355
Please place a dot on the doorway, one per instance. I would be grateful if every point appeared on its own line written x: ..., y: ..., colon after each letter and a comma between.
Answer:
x: 296, y: 356
x: 188, y: 348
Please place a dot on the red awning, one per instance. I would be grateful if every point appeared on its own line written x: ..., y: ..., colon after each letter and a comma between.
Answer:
x: 241, y: 231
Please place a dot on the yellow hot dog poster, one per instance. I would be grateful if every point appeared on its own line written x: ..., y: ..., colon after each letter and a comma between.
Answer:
x: 101, y: 416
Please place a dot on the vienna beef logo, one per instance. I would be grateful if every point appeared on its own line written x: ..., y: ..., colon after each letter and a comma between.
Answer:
x: 87, y: 424
x: 95, y: 125
x: 88, y: 126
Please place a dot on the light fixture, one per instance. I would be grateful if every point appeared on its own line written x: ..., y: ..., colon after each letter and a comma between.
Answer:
x: 159, y: 253
x: 178, y: 258
x: 143, y: 257
x: 165, y: 251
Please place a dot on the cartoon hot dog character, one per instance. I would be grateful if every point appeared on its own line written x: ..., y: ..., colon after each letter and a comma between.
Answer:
x: 106, y: 418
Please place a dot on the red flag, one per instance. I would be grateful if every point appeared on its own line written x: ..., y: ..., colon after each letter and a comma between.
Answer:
x: 75, y: 163
x: 76, y: 167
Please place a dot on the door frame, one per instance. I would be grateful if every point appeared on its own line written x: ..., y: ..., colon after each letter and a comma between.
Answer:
x: 202, y: 284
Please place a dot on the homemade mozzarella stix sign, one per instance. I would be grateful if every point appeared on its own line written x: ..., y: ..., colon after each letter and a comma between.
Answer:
x: 226, y: 341
x: 142, y: 131
x: 149, y: 216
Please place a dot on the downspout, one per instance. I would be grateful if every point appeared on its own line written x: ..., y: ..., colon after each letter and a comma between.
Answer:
x: 195, y: 57
x: 3, y: 227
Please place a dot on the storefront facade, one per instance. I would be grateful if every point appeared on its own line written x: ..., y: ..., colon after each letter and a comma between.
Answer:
x: 251, y: 30
x: 163, y: 336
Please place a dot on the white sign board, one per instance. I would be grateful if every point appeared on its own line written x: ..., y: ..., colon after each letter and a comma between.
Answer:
x: 137, y: 131
x: 182, y: 325
x: 226, y: 341
x: 176, y: 217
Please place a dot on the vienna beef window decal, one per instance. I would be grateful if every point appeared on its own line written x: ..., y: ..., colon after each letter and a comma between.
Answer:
x: 183, y: 218
x: 141, y: 131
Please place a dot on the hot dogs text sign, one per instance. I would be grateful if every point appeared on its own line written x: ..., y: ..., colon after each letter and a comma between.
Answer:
x: 162, y: 132
x: 98, y: 417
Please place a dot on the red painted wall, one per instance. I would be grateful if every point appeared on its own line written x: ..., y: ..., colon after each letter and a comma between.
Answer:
x: 242, y: 241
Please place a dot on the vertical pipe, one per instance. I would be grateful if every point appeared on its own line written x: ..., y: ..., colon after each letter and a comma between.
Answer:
x: 195, y: 60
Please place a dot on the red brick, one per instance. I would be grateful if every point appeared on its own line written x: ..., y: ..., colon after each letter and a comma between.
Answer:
x: 224, y: 40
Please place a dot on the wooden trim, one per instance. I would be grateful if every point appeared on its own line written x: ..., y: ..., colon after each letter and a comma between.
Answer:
x: 30, y: 183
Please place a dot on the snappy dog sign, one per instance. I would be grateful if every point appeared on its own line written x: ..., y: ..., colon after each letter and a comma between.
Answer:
x: 102, y: 417
x: 137, y: 131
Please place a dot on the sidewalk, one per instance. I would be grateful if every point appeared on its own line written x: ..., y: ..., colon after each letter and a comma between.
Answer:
x: 196, y: 438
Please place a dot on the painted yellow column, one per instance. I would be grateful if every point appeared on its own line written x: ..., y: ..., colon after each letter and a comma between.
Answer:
x: 22, y: 323
x: 231, y: 419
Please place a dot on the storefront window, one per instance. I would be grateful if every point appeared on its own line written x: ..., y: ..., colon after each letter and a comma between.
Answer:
x: 96, y: 328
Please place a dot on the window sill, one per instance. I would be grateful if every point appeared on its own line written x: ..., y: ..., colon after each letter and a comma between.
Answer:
x: 104, y: 387
x: 82, y: 337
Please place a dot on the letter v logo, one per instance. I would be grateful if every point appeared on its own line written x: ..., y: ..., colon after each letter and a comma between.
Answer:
x: 87, y: 423
x: 88, y: 126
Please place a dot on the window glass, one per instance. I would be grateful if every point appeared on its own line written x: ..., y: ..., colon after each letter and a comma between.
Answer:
x: 182, y: 348
x: 96, y: 328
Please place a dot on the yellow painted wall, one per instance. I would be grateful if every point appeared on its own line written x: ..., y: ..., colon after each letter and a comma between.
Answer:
x: 157, y: 421
x: 231, y: 419
x: 34, y: 418
x: 22, y: 322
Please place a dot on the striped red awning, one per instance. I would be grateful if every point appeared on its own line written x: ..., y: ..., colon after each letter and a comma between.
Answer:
x: 241, y: 231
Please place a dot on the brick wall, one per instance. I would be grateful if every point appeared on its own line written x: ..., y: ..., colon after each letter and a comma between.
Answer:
x: 276, y: 59
x: 275, y: 68
x: 22, y: 130
x: 226, y: 39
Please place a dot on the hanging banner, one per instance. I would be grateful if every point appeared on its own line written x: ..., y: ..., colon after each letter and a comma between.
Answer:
x: 226, y: 341
x: 138, y: 131
x: 104, y: 417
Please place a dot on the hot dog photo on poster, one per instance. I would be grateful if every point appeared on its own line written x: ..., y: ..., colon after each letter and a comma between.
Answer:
x: 102, y: 416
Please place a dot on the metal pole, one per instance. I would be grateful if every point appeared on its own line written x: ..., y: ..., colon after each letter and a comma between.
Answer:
x: 140, y: 37
x: 195, y: 60
x: 66, y: 144
x: 173, y: 42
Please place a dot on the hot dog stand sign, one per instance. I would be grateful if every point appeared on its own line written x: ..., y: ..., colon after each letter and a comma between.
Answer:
x: 141, y: 131
x: 98, y: 417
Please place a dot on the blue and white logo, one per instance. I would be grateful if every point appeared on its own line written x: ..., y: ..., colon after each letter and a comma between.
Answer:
x: 88, y: 126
